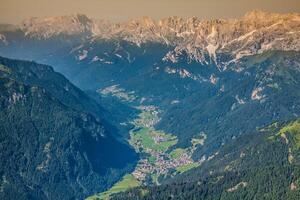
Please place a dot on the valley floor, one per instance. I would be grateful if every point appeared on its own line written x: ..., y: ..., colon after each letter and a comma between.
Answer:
x: 159, y: 157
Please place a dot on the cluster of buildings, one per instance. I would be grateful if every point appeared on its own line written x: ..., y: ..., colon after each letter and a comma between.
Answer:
x: 158, y: 162
x: 158, y: 139
x: 162, y: 165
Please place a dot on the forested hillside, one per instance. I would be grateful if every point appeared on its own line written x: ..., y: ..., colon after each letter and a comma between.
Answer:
x: 51, y: 147
x: 261, y: 165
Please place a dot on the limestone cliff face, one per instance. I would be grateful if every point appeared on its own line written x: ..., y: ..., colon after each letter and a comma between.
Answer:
x: 254, y: 33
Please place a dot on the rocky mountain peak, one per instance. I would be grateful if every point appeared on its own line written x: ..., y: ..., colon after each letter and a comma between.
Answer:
x: 254, y: 33
x: 256, y: 14
x: 50, y: 26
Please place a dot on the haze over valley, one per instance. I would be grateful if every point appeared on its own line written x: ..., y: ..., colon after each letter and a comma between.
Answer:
x: 177, y: 107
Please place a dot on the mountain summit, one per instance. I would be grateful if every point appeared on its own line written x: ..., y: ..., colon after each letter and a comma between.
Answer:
x: 52, y: 26
x: 254, y: 33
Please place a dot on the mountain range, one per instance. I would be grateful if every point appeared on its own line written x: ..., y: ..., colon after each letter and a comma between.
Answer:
x: 255, y: 33
x: 221, y: 97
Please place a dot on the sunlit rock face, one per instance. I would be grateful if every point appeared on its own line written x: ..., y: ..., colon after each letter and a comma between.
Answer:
x: 254, y: 33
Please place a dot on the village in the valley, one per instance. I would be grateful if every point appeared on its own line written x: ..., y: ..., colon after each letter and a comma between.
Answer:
x: 159, y: 156
x: 159, y: 160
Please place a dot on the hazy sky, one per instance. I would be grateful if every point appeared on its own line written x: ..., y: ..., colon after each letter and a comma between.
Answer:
x: 14, y: 11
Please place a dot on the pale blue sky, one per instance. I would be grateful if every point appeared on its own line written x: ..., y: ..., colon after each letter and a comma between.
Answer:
x: 14, y: 11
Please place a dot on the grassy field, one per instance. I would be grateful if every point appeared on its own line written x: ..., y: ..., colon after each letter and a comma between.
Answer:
x: 152, y: 160
x: 292, y: 130
x: 126, y: 183
x: 4, y: 69
x: 145, y: 136
x: 187, y: 167
x: 154, y: 178
x: 176, y: 153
